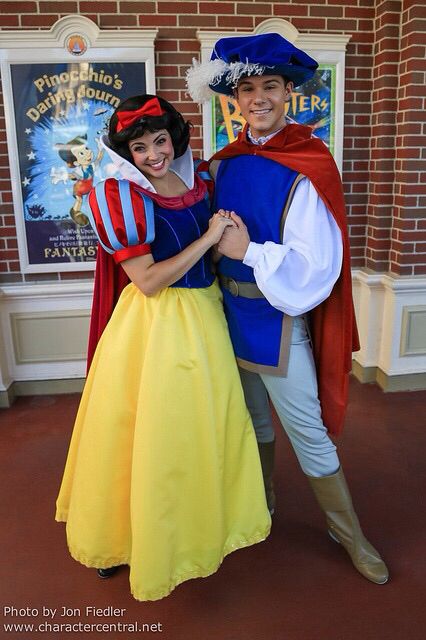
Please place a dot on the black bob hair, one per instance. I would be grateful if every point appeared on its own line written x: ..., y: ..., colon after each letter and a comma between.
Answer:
x: 171, y: 120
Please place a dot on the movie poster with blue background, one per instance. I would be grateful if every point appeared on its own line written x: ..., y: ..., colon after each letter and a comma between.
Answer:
x: 313, y: 104
x: 61, y: 111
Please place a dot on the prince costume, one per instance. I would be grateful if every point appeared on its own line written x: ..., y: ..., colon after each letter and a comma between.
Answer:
x: 288, y: 302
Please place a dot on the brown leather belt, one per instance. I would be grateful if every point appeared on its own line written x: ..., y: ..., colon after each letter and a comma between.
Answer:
x: 238, y: 288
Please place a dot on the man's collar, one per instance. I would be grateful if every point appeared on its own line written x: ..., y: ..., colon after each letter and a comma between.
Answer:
x: 262, y: 139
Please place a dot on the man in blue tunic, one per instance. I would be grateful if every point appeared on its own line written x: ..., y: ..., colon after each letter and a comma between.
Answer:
x: 285, y: 272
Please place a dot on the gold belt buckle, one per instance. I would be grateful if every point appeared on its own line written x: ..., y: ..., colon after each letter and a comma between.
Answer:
x: 233, y: 287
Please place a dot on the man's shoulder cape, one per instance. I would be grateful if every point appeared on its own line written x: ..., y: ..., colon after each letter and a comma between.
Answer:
x: 333, y: 325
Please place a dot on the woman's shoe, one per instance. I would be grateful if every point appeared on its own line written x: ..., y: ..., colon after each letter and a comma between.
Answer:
x: 107, y: 573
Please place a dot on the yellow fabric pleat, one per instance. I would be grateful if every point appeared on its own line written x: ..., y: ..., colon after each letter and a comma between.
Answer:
x: 163, y: 472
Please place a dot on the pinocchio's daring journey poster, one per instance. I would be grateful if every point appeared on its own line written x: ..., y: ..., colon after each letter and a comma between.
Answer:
x: 312, y: 105
x: 61, y: 111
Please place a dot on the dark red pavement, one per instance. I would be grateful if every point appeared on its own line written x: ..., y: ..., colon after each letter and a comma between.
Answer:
x: 298, y: 585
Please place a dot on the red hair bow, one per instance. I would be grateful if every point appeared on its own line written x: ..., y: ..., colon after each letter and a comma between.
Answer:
x: 127, y: 118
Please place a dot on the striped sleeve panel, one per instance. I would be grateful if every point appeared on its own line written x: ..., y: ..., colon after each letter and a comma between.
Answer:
x: 123, y: 218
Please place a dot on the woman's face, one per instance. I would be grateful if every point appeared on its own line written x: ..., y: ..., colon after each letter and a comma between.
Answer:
x: 152, y: 153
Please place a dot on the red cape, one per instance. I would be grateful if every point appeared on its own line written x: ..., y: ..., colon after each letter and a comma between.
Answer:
x: 333, y: 324
x: 110, y: 280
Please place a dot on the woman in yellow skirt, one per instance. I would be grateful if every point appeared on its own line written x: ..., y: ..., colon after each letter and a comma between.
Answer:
x: 163, y: 472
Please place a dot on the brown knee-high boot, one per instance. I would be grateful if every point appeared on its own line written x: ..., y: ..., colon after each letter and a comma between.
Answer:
x: 267, y: 458
x: 333, y: 497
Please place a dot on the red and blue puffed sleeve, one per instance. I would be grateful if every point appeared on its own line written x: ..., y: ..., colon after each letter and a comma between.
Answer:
x: 122, y: 218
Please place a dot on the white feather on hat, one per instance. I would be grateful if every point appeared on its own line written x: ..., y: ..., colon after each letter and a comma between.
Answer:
x: 201, y: 75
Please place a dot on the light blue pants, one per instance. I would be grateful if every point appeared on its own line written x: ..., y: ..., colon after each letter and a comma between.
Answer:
x: 295, y: 399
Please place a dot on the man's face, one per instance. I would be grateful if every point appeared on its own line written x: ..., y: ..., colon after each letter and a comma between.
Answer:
x: 261, y: 100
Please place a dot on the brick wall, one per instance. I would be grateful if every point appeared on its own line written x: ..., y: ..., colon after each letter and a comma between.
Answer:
x: 408, y: 241
x: 383, y: 130
x: 385, y: 120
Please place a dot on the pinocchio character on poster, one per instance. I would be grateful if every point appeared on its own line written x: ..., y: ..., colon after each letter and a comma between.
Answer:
x: 61, y: 111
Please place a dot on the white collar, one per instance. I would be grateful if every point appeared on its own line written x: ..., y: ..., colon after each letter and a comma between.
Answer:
x: 262, y: 139
x: 183, y: 167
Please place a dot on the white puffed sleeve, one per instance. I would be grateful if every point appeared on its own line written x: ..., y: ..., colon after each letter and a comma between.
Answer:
x: 300, y: 273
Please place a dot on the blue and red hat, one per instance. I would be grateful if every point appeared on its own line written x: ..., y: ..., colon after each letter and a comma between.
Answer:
x: 237, y: 57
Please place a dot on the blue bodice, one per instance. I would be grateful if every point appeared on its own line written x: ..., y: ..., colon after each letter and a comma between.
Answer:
x: 176, y: 229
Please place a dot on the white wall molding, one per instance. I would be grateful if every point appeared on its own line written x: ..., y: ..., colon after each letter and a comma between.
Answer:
x: 49, y: 336
x: 67, y: 306
x: 385, y: 305
x: 392, y: 335
x: 65, y: 27
x: 60, y: 290
x: 413, y: 333
x: 320, y: 41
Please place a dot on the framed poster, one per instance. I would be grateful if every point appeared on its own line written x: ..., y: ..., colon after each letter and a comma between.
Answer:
x: 58, y: 106
x: 61, y: 110
x: 313, y: 104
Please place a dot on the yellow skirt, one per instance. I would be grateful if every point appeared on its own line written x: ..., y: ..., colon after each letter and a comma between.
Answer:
x: 163, y: 472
